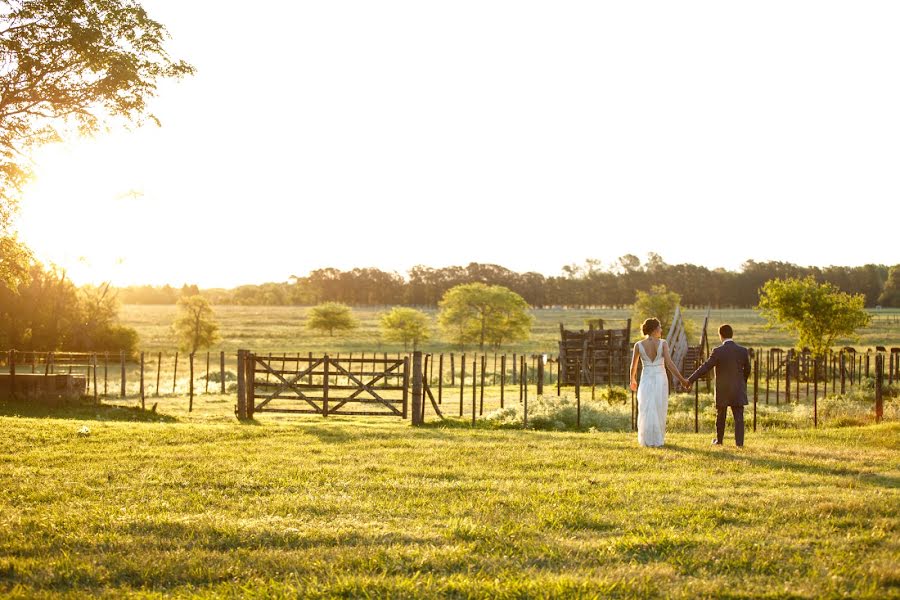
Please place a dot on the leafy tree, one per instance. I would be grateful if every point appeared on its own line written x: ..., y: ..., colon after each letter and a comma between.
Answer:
x: 196, y: 325
x: 331, y: 316
x: 47, y: 312
x: 15, y: 260
x: 817, y: 313
x: 890, y: 295
x: 405, y: 325
x: 659, y: 302
x: 72, y: 66
x: 476, y: 312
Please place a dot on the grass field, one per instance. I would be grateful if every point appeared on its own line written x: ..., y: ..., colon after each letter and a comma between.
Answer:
x: 283, y: 329
x: 168, y: 504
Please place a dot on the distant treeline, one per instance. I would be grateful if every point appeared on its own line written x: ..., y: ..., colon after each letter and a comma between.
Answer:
x: 591, y: 284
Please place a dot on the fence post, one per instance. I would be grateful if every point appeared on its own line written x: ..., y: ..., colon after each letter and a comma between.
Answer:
x: 222, y: 370
x: 122, y: 365
x: 474, y: 384
x: 879, y: 382
x: 540, y: 375
x: 12, y: 374
x: 142, y: 381
x: 462, y: 385
x: 325, y: 390
x: 843, y: 365
x: 502, y: 378
x: 191, y: 383
x: 578, y: 374
x: 241, y: 387
x: 417, y: 389
x: 522, y: 375
x: 441, y: 378
x: 250, y: 381
x: 175, y: 373
x: 815, y: 382
x: 481, y: 393
x: 405, y: 382
x: 787, y: 376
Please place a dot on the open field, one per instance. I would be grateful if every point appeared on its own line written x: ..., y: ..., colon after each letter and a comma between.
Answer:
x: 283, y: 329
x: 171, y: 504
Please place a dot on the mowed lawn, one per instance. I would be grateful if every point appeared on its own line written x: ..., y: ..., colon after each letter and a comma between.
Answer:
x: 150, y: 505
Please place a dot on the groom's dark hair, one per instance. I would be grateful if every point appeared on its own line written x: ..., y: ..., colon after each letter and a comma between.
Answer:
x: 726, y: 331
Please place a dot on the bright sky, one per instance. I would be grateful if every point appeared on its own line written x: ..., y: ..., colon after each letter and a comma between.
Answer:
x: 527, y: 134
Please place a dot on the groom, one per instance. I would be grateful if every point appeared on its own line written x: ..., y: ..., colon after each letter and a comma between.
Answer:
x: 732, y: 364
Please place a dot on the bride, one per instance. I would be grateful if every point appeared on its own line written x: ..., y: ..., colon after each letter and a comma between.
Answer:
x: 653, y: 393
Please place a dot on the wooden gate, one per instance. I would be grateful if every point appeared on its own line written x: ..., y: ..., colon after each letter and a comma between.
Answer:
x: 322, y: 385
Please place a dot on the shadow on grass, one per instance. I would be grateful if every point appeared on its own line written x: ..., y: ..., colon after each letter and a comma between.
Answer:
x: 179, y: 549
x: 330, y: 435
x: 782, y: 464
x: 83, y: 412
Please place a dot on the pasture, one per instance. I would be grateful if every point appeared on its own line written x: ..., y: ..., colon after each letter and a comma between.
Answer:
x: 175, y: 504
x: 113, y: 501
x: 283, y: 329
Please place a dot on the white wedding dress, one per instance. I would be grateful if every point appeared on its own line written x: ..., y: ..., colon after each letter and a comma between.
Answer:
x: 653, y: 398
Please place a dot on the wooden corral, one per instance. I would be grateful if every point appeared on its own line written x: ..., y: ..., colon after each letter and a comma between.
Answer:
x: 686, y: 357
x: 601, y: 356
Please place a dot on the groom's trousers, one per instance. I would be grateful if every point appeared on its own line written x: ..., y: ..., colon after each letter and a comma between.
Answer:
x: 737, y: 411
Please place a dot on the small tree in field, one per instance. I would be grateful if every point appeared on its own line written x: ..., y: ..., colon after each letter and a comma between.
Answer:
x: 817, y: 313
x: 331, y: 317
x: 196, y: 325
x: 659, y: 302
x: 476, y: 312
x: 405, y: 325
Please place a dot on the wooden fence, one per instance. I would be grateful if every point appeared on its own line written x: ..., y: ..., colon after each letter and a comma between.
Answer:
x: 462, y: 381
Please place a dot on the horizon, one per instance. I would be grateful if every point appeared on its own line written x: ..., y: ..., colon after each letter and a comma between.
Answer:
x: 405, y: 274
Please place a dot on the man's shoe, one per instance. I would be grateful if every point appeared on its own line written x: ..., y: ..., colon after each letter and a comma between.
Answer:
x: 716, y: 443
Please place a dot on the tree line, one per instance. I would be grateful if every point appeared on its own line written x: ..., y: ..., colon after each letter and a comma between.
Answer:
x: 589, y: 284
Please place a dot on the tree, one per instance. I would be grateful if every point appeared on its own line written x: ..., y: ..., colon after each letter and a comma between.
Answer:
x: 196, y: 325
x: 659, y: 302
x: 817, y: 313
x: 15, y: 261
x: 890, y: 295
x: 405, y: 325
x: 331, y: 316
x: 72, y: 66
x: 476, y: 312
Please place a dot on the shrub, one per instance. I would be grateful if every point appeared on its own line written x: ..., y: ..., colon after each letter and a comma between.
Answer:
x: 552, y: 413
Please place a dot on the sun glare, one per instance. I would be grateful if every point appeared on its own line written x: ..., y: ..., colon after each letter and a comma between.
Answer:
x: 84, y: 208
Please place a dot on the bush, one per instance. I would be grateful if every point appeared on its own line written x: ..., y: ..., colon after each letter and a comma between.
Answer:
x: 116, y: 338
x: 217, y: 376
x: 552, y: 413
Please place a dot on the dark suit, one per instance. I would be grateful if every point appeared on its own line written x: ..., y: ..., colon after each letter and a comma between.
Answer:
x: 732, y: 365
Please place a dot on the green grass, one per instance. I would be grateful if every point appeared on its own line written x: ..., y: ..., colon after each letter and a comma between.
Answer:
x: 175, y: 504
x: 283, y: 329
